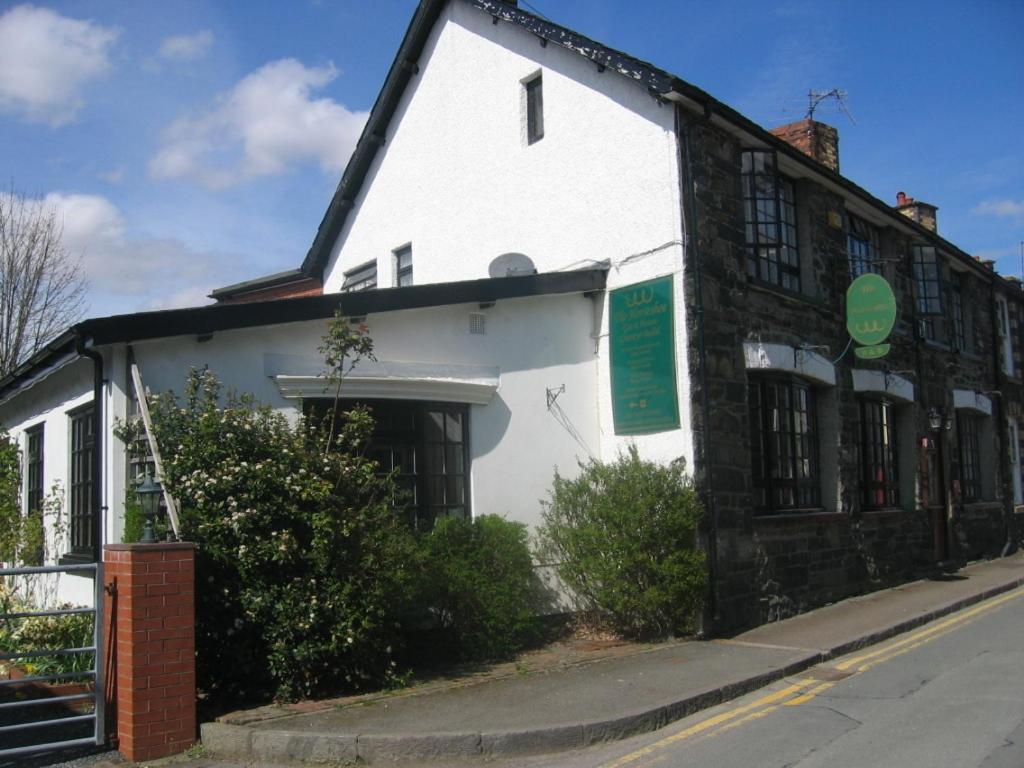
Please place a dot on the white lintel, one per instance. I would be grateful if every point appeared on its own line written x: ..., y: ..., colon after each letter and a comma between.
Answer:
x: 889, y: 384
x: 392, y: 380
x: 784, y: 358
x: 969, y: 400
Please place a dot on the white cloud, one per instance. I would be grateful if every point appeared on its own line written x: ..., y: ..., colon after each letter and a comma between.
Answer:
x: 46, y: 60
x: 113, y: 176
x: 266, y: 124
x: 186, y: 47
x: 154, y: 272
x: 1003, y: 209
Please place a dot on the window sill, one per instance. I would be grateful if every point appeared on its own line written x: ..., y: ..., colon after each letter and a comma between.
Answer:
x: 809, y: 515
x: 771, y: 289
x: 73, y: 558
x: 974, y: 356
x: 981, y: 506
x: 884, y: 511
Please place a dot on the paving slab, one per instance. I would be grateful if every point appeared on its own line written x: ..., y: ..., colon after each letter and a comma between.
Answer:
x: 845, y: 626
x: 626, y: 692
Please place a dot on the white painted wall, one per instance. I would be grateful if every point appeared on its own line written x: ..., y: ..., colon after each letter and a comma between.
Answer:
x: 515, y: 441
x: 48, y: 402
x: 457, y: 180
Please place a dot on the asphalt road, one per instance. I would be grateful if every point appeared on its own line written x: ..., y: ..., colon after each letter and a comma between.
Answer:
x: 947, y: 695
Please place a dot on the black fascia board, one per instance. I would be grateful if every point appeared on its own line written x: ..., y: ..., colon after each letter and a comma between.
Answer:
x: 259, y: 283
x: 223, y: 317
x: 373, y: 136
x: 659, y: 82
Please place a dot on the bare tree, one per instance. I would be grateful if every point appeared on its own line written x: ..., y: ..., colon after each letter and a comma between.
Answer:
x: 42, y: 288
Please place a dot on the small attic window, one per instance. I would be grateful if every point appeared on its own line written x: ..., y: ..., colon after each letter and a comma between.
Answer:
x: 534, y: 109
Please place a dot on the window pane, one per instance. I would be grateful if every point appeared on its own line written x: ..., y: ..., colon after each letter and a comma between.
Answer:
x: 433, y: 426
x: 534, y: 110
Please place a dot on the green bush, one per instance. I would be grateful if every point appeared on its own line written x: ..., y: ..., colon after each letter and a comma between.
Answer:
x: 479, y: 577
x: 40, y: 633
x: 302, y: 567
x: 622, y: 536
x: 11, y: 524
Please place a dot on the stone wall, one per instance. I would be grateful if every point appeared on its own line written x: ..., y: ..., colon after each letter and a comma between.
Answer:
x: 768, y: 567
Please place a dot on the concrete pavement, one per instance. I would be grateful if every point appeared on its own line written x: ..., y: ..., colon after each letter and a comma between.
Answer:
x: 583, y: 704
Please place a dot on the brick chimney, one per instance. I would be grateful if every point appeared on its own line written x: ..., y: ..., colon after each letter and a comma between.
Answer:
x: 922, y: 213
x: 814, y: 139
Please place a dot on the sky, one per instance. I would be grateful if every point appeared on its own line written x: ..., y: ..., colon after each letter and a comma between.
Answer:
x: 191, y: 144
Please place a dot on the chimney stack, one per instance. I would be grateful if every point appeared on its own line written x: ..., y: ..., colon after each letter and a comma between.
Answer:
x: 922, y: 213
x: 816, y: 140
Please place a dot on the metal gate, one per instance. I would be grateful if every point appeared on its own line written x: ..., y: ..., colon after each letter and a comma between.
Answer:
x: 30, y: 722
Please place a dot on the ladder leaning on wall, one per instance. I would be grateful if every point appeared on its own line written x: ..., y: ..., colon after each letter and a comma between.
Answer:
x: 154, y: 449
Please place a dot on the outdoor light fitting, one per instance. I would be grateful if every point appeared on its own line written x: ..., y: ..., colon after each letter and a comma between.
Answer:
x: 149, y: 492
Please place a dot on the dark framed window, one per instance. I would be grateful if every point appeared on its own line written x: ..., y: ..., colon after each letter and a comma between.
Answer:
x: 769, y: 217
x: 955, y: 295
x: 862, y: 247
x: 82, y: 515
x: 403, y: 266
x: 362, y: 278
x: 928, y: 289
x: 878, y: 454
x: 425, y: 445
x: 534, y: 109
x: 784, y: 445
x: 970, y: 456
x: 34, y: 469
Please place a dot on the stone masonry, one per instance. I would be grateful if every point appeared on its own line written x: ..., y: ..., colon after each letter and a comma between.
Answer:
x: 772, y: 566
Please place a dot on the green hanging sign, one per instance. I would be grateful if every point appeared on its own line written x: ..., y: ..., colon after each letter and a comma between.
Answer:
x: 870, y: 314
x: 872, y: 352
x: 643, y: 358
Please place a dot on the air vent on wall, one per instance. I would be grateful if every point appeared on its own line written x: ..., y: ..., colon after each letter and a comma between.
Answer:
x: 477, y: 323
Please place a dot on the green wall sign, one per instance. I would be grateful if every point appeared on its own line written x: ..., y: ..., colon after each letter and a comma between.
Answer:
x: 643, y: 358
x: 870, y: 310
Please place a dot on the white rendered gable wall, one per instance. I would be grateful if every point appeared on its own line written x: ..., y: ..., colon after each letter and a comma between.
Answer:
x: 457, y: 180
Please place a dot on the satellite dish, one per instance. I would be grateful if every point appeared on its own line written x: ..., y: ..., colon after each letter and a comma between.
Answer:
x: 511, y: 265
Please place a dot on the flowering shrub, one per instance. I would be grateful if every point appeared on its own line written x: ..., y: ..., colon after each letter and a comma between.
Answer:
x: 40, y: 633
x: 622, y: 536
x: 301, y: 564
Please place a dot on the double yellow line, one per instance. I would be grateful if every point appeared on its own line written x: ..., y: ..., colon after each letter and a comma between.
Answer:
x: 805, y: 689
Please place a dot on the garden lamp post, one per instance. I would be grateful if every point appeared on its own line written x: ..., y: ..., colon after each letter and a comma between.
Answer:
x: 149, y: 492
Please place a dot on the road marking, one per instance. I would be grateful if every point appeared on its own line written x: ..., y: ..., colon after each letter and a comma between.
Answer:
x: 958, y: 618
x: 799, y: 692
x: 809, y: 695
x: 711, y: 722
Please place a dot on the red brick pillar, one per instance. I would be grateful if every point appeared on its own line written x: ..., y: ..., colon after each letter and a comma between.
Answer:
x: 150, y: 629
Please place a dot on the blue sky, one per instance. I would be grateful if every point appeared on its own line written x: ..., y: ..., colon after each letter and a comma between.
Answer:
x: 194, y: 143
